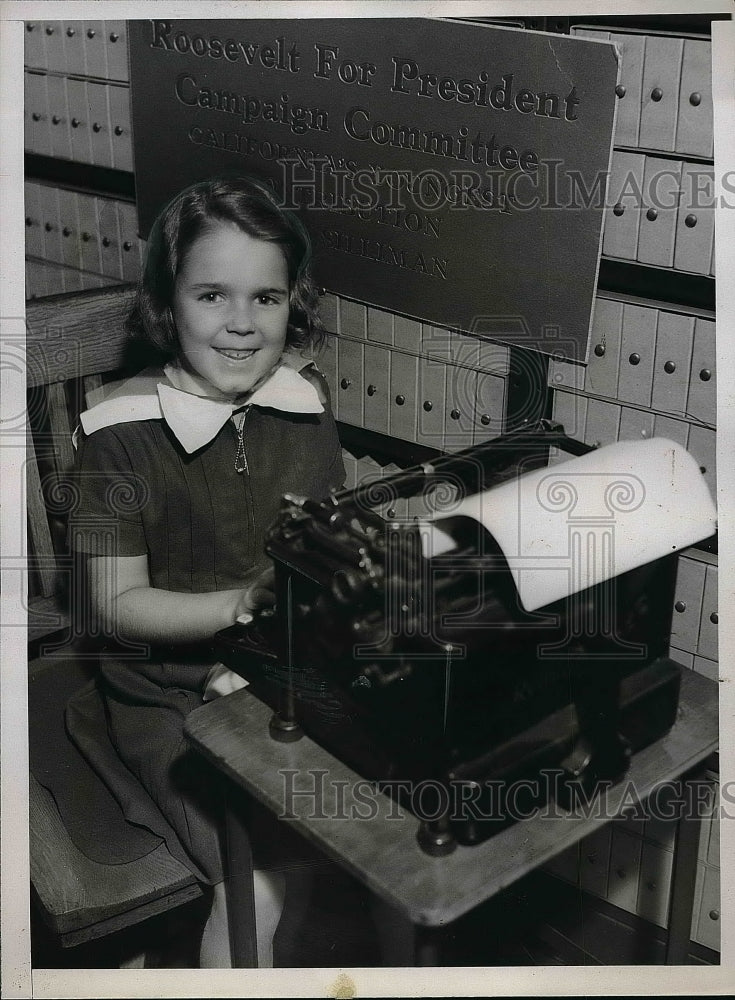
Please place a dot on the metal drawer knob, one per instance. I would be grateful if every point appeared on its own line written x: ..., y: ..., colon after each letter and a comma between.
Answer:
x: 600, y: 350
x: 86, y: 237
x: 55, y: 119
x: 428, y: 405
x: 29, y: 221
x: 650, y: 885
x: 114, y: 36
x: 714, y: 914
x: 620, y: 90
x: 346, y: 383
x: 371, y: 390
x: 391, y: 512
x: 36, y: 117
x: 70, y: 32
x: 680, y: 606
x: 66, y: 231
x: 118, y: 130
x: 49, y: 30
x: 400, y: 400
x: 656, y: 94
x: 670, y: 367
x: 652, y: 214
x: 690, y: 221
x: 635, y: 359
x: 695, y: 99
x: 618, y: 209
x: 91, y: 32
x: 485, y: 419
x: 714, y: 618
x: 105, y: 241
x: 96, y: 127
x: 705, y: 374
x: 75, y: 123
x: 48, y: 227
x: 455, y: 414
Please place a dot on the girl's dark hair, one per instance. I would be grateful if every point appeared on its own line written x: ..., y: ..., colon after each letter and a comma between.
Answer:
x: 251, y: 206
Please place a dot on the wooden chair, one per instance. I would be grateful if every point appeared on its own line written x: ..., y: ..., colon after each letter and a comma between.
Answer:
x: 75, y: 342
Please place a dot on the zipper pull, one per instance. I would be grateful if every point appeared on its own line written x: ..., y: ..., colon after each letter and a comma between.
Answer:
x: 241, y: 461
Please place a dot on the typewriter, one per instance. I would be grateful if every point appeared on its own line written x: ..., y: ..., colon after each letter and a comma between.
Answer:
x: 411, y: 649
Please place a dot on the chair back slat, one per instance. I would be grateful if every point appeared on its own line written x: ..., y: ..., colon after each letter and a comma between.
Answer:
x: 74, y: 342
x: 38, y: 524
x: 60, y: 428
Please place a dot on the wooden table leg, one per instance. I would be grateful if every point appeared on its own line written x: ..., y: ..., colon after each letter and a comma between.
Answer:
x: 684, y: 871
x: 239, y: 888
x: 403, y: 943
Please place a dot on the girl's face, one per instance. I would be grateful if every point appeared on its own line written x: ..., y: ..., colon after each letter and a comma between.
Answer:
x: 231, y: 308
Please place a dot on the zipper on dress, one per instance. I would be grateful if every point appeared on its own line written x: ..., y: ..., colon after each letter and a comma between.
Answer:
x: 241, y: 459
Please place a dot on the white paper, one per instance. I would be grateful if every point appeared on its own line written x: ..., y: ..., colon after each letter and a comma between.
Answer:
x: 575, y: 524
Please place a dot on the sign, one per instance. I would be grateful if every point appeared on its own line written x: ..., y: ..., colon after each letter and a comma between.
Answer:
x: 447, y: 171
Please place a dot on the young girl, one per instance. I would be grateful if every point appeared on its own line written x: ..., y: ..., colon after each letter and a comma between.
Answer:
x: 181, y: 472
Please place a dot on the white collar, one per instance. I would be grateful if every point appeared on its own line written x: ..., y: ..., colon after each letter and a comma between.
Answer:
x: 193, y: 417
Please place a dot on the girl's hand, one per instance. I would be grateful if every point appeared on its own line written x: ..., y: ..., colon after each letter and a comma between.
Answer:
x: 259, y: 595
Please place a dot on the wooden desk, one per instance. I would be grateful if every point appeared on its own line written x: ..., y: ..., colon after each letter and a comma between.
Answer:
x: 382, y: 851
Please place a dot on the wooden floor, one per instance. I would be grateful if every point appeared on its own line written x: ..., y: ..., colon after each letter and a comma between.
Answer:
x: 538, y: 921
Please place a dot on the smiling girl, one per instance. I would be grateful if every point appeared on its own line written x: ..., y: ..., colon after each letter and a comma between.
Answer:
x: 181, y: 472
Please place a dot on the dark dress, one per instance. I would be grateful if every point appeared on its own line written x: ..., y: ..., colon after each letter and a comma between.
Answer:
x: 202, y: 525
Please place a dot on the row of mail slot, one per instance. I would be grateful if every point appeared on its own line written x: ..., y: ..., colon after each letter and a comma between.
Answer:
x: 598, y: 422
x: 82, y: 48
x: 629, y: 863
x: 695, y: 619
x: 87, y: 121
x: 660, y: 212
x: 347, y: 318
x: 425, y: 400
x: 91, y: 233
x: 647, y: 356
x: 664, y: 91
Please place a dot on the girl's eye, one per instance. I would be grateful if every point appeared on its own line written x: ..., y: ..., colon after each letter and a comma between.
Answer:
x: 210, y: 297
x: 267, y: 300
